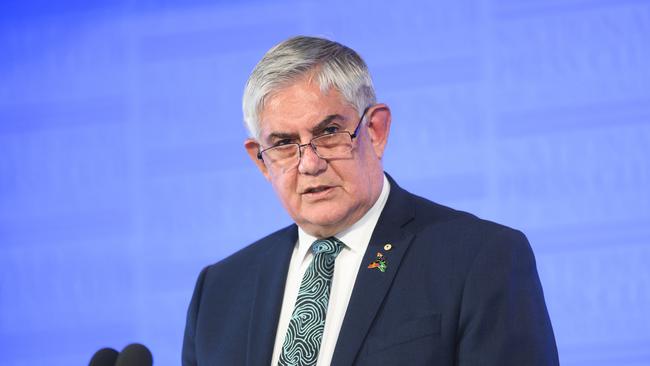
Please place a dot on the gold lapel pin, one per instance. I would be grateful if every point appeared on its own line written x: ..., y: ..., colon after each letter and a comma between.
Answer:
x: 388, y: 247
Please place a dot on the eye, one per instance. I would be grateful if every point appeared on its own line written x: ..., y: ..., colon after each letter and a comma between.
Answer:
x: 330, y: 130
x: 282, y: 142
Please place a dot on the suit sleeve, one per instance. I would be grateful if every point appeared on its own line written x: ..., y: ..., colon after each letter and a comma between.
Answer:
x: 189, y: 346
x: 503, y: 317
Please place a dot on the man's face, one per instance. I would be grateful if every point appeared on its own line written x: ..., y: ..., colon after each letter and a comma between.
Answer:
x: 323, y: 197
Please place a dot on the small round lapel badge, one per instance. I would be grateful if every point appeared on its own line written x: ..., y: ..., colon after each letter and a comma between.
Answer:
x: 388, y: 247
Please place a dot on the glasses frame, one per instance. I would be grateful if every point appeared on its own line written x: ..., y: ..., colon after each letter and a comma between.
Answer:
x: 311, y: 142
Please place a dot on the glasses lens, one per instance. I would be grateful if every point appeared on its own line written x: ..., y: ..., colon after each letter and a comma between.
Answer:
x: 333, y: 146
x: 282, y: 155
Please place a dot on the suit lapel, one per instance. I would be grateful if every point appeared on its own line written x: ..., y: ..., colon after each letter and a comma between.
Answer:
x: 271, y: 277
x: 371, y: 284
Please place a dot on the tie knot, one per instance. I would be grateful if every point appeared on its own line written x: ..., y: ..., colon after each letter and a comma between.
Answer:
x: 328, y: 246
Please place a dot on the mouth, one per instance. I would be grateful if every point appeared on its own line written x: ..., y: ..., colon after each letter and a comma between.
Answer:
x: 317, y: 191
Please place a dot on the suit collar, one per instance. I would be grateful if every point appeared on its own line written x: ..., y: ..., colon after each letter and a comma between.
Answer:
x: 271, y: 277
x: 372, y: 284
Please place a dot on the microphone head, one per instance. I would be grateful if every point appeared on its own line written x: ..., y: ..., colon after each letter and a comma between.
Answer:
x: 104, y: 357
x: 134, y: 354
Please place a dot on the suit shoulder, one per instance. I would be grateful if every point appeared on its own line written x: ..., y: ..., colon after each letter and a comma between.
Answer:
x: 466, y: 242
x: 253, y: 253
x: 464, y: 227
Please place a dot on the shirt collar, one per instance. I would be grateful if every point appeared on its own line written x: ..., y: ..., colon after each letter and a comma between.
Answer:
x: 357, y: 236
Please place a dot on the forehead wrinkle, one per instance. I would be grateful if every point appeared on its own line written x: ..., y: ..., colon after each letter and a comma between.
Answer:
x: 300, y: 100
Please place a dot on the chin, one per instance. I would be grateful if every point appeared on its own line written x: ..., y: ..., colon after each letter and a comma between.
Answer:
x: 324, y: 224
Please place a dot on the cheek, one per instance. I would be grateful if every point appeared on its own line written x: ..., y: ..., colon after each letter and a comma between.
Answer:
x: 357, y: 181
x: 284, y: 186
x: 353, y: 175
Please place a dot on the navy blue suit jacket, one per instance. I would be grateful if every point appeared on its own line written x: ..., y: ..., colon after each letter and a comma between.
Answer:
x: 457, y: 290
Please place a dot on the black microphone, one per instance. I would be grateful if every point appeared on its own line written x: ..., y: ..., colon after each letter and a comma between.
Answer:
x: 134, y: 354
x: 104, y: 357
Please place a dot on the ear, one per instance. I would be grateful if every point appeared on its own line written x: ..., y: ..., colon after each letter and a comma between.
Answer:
x: 252, y: 148
x: 378, y: 122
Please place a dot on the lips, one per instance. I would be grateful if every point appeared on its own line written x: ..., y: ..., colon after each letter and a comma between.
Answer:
x: 317, y: 189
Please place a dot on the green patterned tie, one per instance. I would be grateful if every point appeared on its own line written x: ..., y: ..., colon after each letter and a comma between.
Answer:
x: 303, y: 338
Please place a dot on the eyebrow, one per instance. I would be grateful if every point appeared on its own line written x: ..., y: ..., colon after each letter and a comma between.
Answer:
x: 319, y: 127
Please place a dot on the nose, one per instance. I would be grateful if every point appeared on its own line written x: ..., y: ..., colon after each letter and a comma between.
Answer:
x: 310, y: 163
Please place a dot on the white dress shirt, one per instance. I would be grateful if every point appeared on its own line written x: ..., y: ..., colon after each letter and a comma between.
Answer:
x: 356, y: 239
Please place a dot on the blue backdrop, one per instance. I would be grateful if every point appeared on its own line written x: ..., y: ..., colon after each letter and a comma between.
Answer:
x: 123, y: 173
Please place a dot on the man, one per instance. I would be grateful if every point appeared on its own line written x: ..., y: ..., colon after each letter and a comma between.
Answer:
x: 369, y: 274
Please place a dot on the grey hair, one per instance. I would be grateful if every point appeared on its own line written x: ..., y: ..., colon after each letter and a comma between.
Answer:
x: 333, y: 66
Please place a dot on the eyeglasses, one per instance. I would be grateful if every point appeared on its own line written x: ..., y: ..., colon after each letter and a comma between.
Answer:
x: 337, y: 145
